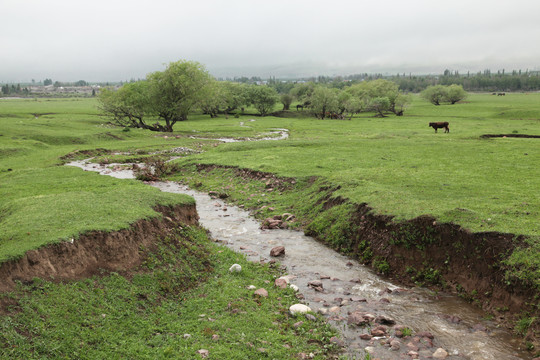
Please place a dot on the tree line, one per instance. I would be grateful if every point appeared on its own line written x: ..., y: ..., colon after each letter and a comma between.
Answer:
x: 158, y: 102
x: 14, y: 90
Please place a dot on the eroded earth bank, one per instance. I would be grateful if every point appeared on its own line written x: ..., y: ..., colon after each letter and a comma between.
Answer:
x: 378, y: 314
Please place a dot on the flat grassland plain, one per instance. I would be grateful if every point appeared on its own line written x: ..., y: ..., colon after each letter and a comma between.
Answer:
x: 397, y: 165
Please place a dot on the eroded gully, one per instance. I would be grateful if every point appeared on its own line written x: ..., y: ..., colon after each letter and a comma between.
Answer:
x: 348, y: 286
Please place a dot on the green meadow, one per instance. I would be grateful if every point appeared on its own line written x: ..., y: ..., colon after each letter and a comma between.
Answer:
x: 397, y: 165
x: 400, y: 167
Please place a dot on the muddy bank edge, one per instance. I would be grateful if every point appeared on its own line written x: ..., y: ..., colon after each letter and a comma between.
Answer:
x: 96, y: 251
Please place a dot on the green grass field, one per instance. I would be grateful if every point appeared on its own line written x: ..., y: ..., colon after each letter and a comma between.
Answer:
x: 397, y: 165
x: 400, y: 167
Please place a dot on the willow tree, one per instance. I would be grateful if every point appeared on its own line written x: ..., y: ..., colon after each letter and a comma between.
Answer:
x: 176, y: 90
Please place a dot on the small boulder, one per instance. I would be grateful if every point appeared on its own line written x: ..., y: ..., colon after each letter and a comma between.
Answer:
x: 383, y: 320
x: 299, y: 309
x: 261, y: 293
x: 204, y: 353
x: 277, y: 251
x: 316, y: 284
x: 440, y: 353
x: 395, y: 345
x: 235, y: 268
x: 425, y: 334
x: 280, y: 283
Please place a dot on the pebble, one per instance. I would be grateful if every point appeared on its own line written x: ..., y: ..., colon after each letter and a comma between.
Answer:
x: 440, y: 353
x: 261, y: 293
x: 395, y: 345
x: 299, y: 309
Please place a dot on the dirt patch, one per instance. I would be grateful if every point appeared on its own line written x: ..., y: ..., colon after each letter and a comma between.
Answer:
x: 487, y: 136
x: 95, y: 251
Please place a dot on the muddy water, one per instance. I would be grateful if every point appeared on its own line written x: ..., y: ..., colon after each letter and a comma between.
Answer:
x: 349, y: 286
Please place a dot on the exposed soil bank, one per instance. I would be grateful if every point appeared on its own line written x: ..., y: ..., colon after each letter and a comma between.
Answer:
x: 95, y: 251
x: 443, y: 255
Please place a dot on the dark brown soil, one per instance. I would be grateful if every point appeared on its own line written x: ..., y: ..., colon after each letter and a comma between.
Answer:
x: 444, y: 256
x: 511, y: 135
x: 95, y: 251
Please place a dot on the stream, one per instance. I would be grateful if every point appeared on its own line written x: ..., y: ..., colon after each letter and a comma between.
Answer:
x: 348, y: 286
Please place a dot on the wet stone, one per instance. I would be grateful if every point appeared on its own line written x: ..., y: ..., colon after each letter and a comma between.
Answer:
x: 440, y: 353
x: 358, y: 299
x: 280, y: 283
x: 381, y: 319
x: 479, y: 327
x: 277, y: 251
x: 425, y: 334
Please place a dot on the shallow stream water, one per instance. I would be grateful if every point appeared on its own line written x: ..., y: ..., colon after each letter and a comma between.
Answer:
x: 350, y: 286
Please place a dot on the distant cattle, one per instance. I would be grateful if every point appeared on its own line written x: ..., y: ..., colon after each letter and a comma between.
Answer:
x: 440, y: 125
x: 298, y: 107
x: 501, y: 94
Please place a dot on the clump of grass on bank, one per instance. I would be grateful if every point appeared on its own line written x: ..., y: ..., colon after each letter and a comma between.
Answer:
x: 183, y: 299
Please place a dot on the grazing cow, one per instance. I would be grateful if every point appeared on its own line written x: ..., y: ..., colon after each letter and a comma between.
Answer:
x: 299, y: 107
x: 501, y: 94
x: 440, y: 125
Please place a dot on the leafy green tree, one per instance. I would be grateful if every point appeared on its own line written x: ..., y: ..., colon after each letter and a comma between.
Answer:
x: 455, y: 93
x: 263, y: 98
x: 380, y: 105
x: 324, y: 101
x: 350, y: 103
x: 236, y: 95
x: 128, y: 106
x: 47, y: 82
x: 382, y: 88
x: 401, y: 103
x: 302, y: 92
x: 286, y: 100
x: 434, y: 94
x: 214, y: 99
x: 176, y: 90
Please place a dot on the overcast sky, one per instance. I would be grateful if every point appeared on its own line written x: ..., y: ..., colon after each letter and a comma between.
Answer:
x: 111, y: 40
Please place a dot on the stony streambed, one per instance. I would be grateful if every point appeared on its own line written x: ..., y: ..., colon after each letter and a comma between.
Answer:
x: 371, y: 312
